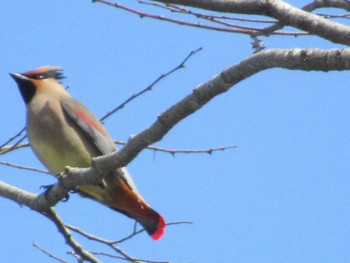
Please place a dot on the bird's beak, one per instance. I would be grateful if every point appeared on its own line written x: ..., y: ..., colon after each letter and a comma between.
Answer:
x: 18, y: 77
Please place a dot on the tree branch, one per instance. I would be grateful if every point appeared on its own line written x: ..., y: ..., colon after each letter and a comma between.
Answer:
x: 285, y: 13
x: 78, y: 249
x: 48, y: 253
x: 294, y: 59
x: 175, y: 151
x: 8, y: 148
x: 149, y: 87
x: 316, y: 4
x: 17, y: 195
x: 12, y: 138
x: 24, y: 167
x: 35, y: 202
x: 225, y: 27
x: 112, y: 243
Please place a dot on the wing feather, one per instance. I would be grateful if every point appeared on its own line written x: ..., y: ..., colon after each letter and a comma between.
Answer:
x: 90, y: 126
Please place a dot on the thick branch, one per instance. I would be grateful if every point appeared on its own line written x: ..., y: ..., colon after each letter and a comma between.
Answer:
x: 313, y: 24
x: 15, y: 194
x: 295, y: 59
x: 283, y: 12
x: 39, y: 204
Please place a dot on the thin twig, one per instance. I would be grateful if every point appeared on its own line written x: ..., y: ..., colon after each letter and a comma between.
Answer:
x: 344, y: 16
x: 78, y: 249
x: 208, y: 17
x: 175, y: 8
x: 112, y: 243
x: 8, y: 148
x: 110, y: 255
x: 17, y: 143
x: 149, y: 87
x: 49, y: 253
x: 155, y: 148
x: 173, y: 151
x: 24, y: 167
x: 101, y: 240
x: 12, y: 138
x: 179, y: 223
x: 190, y: 24
x: 136, y: 260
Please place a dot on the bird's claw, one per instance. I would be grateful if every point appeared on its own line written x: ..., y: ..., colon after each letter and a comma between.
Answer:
x: 73, y: 191
x: 66, y: 198
x: 48, y: 187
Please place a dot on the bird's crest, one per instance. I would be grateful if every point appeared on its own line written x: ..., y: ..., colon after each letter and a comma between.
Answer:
x: 45, y: 72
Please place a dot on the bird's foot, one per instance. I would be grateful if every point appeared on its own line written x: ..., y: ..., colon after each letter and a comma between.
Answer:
x: 48, y: 187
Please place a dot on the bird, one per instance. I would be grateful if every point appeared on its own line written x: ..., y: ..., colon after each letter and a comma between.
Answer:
x: 63, y: 132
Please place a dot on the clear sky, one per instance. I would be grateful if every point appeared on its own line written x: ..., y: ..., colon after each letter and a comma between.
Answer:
x: 281, y: 196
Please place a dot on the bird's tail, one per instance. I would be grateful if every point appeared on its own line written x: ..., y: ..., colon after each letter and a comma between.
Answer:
x: 119, y: 196
x: 133, y: 205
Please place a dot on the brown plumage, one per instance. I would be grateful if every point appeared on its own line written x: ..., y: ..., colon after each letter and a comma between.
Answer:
x: 63, y: 132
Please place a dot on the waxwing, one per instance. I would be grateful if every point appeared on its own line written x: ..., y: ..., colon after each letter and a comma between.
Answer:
x: 63, y: 132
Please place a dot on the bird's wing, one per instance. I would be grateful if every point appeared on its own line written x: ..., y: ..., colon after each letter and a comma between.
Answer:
x: 87, y: 123
x: 94, y: 131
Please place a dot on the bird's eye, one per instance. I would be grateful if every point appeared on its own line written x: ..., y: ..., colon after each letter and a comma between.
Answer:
x: 39, y: 76
x: 45, y: 75
x: 35, y: 76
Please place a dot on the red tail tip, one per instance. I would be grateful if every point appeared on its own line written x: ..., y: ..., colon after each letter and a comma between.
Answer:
x: 160, y: 229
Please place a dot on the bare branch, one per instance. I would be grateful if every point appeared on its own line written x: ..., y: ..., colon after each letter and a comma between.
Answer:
x: 343, y: 16
x: 211, y: 18
x: 316, y: 4
x: 78, y: 249
x: 112, y: 256
x: 173, y: 151
x: 8, y: 148
x: 136, y: 232
x: 28, y: 199
x: 16, y: 194
x: 308, y: 8
x: 161, y: 77
x: 294, y: 59
x: 112, y: 244
x: 279, y: 10
x: 182, y: 10
x: 175, y: 21
x: 40, y: 202
x: 48, y: 253
x: 24, y: 167
x: 221, y: 20
x: 103, y: 241
x: 15, y: 146
x: 134, y: 261
x: 12, y: 138
x: 208, y: 151
x: 232, y: 29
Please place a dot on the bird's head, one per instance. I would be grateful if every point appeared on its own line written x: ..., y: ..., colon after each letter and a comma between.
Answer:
x: 32, y: 81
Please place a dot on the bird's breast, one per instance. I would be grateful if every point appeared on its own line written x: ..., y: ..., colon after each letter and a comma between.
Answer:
x: 56, y: 141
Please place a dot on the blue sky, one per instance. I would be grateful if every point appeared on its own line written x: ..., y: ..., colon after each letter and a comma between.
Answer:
x: 281, y: 196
